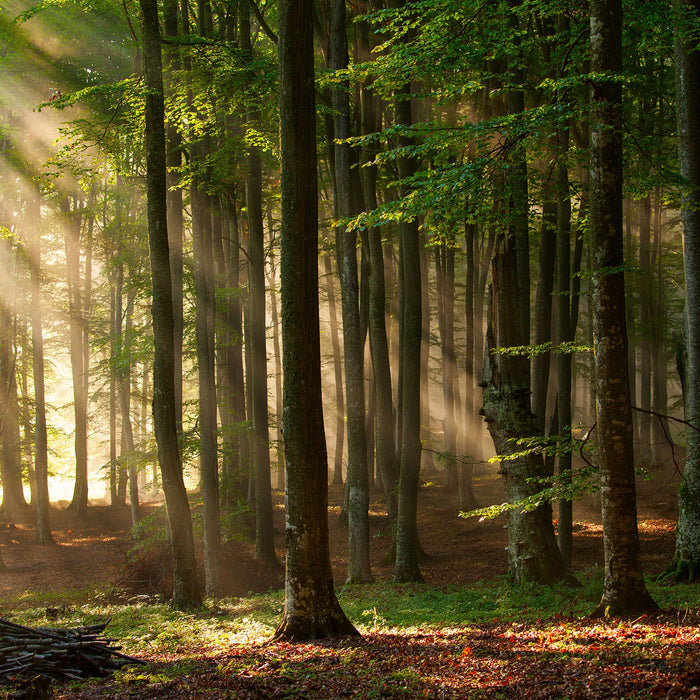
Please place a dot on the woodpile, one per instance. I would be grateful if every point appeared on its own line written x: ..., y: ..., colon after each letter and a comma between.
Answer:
x: 60, y: 654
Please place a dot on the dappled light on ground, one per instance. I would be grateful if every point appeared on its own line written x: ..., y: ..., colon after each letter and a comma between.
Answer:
x: 557, y: 658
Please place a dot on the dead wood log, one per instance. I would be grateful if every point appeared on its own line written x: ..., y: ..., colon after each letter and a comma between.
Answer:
x: 56, y: 653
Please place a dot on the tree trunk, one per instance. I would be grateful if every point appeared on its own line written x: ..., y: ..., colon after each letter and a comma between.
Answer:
x: 532, y: 548
x: 541, y: 362
x: 406, y: 567
x: 377, y: 310
x: 311, y: 608
x: 645, y: 301
x: 72, y: 222
x: 113, y: 465
x: 41, y: 461
x: 624, y: 590
x: 264, y: 536
x: 124, y: 393
x: 359, y: 570
x: 686, y: 561
x: 564, y: 335
x: 185, y: 591
x: 13, y: 500
x: 231, y: 377
x: 174, y: 202
x: 278, y: 369
x: 445, y: 274
x: 338, y: 372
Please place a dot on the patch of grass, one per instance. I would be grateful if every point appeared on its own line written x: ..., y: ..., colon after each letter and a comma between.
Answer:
x: 151, y: 628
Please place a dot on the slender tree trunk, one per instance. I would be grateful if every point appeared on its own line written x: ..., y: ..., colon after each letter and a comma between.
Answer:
x: 264, y: 536
x: 659, y: 426
x: 467, y: 499
x: 427, y: 461
x: 541, y: 362
x: 624, y: 590
x: 338, y: 372
x: 377, y: 312
x: 113, y: 466
x: 231, y: 376
x: 359, y: 570
x: 124, y: 393
x: 311, y: 608
x: 185, y: 591
x: 272, y: 282
x: 406, y: 567
x: 41, y: 461
x: 564, y: 335
x: 645, y: 301
x: 72, y: 220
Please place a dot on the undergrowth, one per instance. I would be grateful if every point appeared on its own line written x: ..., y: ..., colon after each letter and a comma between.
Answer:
x: 150, y: 626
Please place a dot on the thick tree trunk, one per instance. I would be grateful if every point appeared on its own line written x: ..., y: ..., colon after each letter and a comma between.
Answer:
x: 624, y: 590
x: 311, y: 608
x: 533, y: 554
x: 185, y: 591
x: 686, y: 561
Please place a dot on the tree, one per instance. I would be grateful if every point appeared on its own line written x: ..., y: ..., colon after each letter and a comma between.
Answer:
x: 686, y: 561
x: 257, y: 346
x: 359, y: 570
x: 41, y: 460
x: 185, y: 590
x: 624, y: 591
x: 311, y: 608
x: 73, y: 224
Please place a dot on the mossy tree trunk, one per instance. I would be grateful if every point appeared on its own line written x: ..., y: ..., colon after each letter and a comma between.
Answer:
x: 686, y: 562
x: 533, y: 554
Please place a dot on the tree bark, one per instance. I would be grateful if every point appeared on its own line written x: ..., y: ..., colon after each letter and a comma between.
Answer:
x: 72, y: 222
x: 185, y: 590
x: 338, y: 373
x: 624, y: 591
x: 533, y: 554
x: 264, y: 536
x: 41, y: 461
x: 359, y: 570
x: 407, y: 547
x: 686, y: 561
x: 311, y: 608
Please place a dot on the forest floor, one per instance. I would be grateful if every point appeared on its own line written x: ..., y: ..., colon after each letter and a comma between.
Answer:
x: 524, y: 653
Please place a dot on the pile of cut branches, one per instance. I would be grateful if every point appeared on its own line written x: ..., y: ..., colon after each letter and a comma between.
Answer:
x: 60, y: 654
